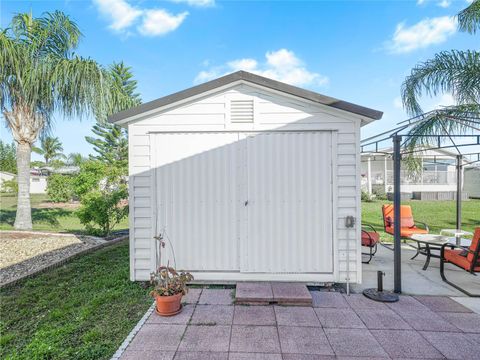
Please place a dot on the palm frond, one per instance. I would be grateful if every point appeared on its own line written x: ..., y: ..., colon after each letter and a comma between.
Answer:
x: 459, y: 119
x: 455, y: 72
x: 469, y: 18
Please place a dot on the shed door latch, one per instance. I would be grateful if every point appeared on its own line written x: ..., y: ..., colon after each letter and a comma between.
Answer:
x: 246, y: 203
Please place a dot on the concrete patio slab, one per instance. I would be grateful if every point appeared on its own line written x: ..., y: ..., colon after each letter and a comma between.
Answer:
x: 216, y: 297
x: 275, y: 332
x: 147, y: 355
x: 157, y: 337
x: 339, y: 318
x: 329, y: 299
x: 181, y: 319
x: 354, y: 342
x: 254, y: 293
x: 426, y: 320
x: 205, y: 338
x: 471, y: 303
x: 308, y: 357
x: 291, y: 294
x: 467, y: 322
x: 382, y: 319
x: 415, y: 280
x: 453, y: 345
x: 304, y: 340
x: 405, y: 344
x: 254, y: 315
x: 359, y: 301
x: 259, y: 339
x: 442, y: 304
x: 213, y: 315
x: 407, y: 303
x: 192, y: 296
x: 254, y: 356
x: 183, y: 355
x: 296, y: 316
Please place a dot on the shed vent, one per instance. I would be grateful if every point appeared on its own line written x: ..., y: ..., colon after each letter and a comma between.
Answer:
x: 241, y: 111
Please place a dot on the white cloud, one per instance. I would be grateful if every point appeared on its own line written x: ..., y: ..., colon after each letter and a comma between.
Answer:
x: 198, y: 3
x: 444, y: 3
x: 150, y: 22
x: 441, y: 3
x: 282, y: 65
x: 423, y: 34
x: 159, y: 22
x: 120, y: 13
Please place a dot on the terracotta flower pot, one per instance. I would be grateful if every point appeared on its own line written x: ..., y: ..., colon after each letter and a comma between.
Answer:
x: 168, y: 305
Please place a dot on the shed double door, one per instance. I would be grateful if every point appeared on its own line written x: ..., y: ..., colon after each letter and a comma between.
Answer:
x: 254, y: 203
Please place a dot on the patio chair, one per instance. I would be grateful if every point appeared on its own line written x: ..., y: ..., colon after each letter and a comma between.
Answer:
x: 408, y: 226
x: 467, y: 259
x: 370, y: 239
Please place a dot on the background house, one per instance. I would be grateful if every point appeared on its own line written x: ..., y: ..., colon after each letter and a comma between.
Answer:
x: 38, y: 182
x: 472, y: 181
x: 436, y: 178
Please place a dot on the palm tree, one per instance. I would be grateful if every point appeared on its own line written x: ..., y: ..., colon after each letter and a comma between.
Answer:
x: 40, y: 75
x: 75, y: 159
x: 50, y: 148
x: 455, y: 72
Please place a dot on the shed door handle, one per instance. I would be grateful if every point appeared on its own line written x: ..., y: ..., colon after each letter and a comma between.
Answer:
x: 246, y: 203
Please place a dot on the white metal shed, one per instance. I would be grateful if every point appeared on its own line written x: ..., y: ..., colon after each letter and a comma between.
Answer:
x: 249, y: 179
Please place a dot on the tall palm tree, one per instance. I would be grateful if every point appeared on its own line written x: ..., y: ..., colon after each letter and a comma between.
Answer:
x: 50, y: 148
x: 455, y: 72
x: 40, y: 74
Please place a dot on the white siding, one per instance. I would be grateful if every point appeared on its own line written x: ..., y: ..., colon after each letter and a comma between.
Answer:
x: 272, y: 111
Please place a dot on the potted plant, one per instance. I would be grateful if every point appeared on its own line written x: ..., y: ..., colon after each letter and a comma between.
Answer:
x: 169, y: 287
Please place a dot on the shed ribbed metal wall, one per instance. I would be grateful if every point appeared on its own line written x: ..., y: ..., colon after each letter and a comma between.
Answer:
x: 249, y: 203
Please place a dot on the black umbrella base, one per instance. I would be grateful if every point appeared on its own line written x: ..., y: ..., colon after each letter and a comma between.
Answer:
x: 382, y: 296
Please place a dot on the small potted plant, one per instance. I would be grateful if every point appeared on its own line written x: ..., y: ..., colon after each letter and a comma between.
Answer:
x: 169, y: 287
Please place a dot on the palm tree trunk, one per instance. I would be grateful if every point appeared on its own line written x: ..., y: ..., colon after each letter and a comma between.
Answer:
x: 23, y: 220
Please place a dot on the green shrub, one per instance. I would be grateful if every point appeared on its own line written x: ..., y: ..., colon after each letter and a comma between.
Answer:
x: 366, y: 197
x: 9, y: 186
x: 103, y: 193
x: 379, y: 193
x: 101, y: 210
x: 89, y: 177
x: 60, y: 188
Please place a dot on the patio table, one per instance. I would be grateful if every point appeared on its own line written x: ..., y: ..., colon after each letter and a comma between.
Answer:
x: 458, y: 233
x: 428, y: 242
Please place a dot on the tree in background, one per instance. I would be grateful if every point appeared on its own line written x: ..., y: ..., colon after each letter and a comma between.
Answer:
x: 42, y: 75
x: 456, y: 72
x: 51, y: 149
x: 75, y: 159
x: 8, y: 157
x: 111, y: 143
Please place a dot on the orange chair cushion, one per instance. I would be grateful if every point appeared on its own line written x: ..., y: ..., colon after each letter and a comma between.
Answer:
x: 370, y: 238
x: 407, y: 232
x: 454, y: 257
x: 406, y: 215
x: 474, y: 245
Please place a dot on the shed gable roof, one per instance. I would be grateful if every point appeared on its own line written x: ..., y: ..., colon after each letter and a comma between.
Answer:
x: 249, y: 78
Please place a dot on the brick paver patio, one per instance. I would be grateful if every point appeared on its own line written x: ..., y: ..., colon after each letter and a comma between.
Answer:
x: 336, y: 326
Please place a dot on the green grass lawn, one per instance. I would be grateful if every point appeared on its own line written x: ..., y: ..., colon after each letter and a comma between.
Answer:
x: 82, y: 310
x: 437, y: 214
x: 54, y: 219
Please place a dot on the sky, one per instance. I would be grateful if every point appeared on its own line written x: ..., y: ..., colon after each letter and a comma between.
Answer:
x: 357, y: 51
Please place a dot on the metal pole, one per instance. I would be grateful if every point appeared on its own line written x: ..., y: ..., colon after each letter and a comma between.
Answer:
x: 459, y: 193
x: 397, y: 255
